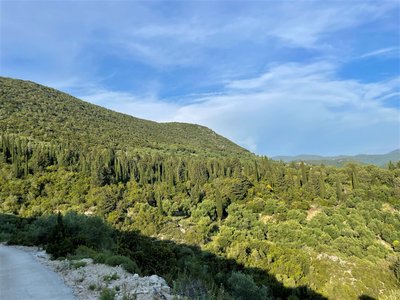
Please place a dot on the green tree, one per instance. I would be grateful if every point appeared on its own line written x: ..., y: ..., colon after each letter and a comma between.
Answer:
x: 303, y: 174
x: 339, y: 192
x: 243, y: 287
x: 60, y: 244
x: 219, y: 205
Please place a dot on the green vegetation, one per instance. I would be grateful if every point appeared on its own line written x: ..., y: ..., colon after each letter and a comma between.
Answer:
x: 78, y: 264
x: 47, y: 115
x: 125, y: 262
x: 107, y: 294
x: 182, y: 202
x: 109, y: 278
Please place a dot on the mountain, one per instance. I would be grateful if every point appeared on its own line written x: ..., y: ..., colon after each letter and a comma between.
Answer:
x: 48, y: 115
x: 182, y: 202
x: 372, y: 159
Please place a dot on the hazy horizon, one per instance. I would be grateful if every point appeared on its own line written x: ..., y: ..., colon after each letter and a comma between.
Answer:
x: 328, y: 156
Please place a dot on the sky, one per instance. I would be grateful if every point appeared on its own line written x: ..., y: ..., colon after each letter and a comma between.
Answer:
x: 276, y: 77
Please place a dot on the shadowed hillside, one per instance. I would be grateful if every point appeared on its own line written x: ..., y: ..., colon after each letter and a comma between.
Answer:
x: 192, y: 272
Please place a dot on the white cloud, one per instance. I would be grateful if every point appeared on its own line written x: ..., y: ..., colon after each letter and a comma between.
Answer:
x: 290, y: 107
x: 185, y: 38
x: 61, y: 31
x: 309, y: 22
x: 145, y: 107
x: 71, y: 45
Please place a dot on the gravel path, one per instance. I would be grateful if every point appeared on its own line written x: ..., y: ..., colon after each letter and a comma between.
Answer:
x: 22, y: 276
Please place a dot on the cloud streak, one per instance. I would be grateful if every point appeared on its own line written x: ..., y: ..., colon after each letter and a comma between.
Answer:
x: 384, y: 52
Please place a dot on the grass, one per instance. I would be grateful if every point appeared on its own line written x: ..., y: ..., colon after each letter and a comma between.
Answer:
x: 107, y: 294
x: 78, y: 264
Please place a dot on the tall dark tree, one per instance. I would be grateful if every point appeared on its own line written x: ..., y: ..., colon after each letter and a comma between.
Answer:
x: 339, y: 192
x: 303, y: 174
x: 354, y: 177
x: 218, y: 203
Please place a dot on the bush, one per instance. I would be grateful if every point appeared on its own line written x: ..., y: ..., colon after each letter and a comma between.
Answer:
x: 101, y: 258
x: 243, y: 287
x: 190, y: 287
x: 84, y: 252
x: 396, y: 269
x: 78, y: 264
x: 107, y: 294
x: 60, y: 248
x: 128, y: 264
x: 89, y: 231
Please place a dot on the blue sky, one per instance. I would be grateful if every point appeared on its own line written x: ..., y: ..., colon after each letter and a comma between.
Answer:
x: 277, y: 77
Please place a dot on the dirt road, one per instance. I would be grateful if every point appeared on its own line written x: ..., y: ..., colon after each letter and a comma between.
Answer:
x: 23, y: 277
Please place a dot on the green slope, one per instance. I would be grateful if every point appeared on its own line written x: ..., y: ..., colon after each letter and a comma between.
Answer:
x: 43, y: 113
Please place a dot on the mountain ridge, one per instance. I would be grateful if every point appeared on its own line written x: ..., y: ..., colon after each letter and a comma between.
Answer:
x: 340, y: 160
x: 46, y: 114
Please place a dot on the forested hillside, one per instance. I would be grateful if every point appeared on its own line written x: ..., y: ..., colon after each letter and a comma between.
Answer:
x: 47, y: 115
x: 242, y: 226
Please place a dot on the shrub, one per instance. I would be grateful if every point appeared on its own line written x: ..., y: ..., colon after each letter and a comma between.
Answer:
x: 78, y: 264
x: 107, y: 294
x: 243, y: 287
x: 109, y: 278
x: 128, y: 264
x: 101, y: 258
x: 190, y: 287
x: 396, y: 269
x: 84, y: 252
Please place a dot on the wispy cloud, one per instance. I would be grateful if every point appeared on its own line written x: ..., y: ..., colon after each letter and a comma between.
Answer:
x: 288, y: 106
x: 138, y: 32
x: 263, y: 73
x: 298, y: 102
x: 384, y: 52
x: 146, y: 107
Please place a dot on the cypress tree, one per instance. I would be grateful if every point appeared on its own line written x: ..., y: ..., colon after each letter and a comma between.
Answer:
x: 26, y: 166
x: 321, y: 185
x: 339, y: 193
x: 159, y: 197
x: 303, y: 174
x: 354, y: 179
x: 219, y: 207
x: 257, y: 173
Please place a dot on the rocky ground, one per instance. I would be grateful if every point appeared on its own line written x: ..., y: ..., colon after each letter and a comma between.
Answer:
x: 89, y: 280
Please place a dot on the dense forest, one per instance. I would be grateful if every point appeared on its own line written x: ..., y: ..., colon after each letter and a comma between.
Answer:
x: 180, y: 201
x: 48, y: 115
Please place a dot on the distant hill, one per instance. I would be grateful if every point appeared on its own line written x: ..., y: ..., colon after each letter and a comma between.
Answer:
x: 373, y: 159
x: 48, y: 115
